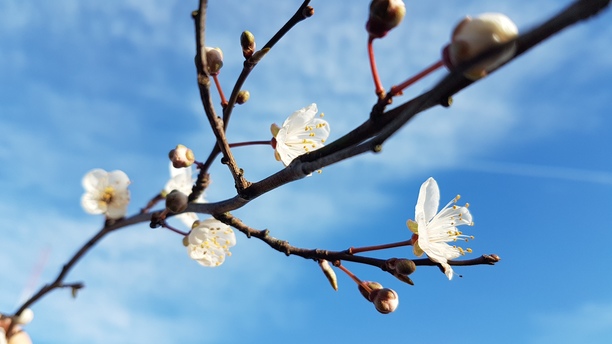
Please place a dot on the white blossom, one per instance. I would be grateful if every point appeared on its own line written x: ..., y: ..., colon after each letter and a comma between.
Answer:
x: 300, y: 134
x: 106, y: 193
x: 209, y: 241
x: 435, y: 229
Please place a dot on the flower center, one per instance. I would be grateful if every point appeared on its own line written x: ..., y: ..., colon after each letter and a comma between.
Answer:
x: 107, y: 195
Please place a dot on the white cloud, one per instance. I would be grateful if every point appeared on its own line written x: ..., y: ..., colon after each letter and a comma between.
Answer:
x: 589, y: 323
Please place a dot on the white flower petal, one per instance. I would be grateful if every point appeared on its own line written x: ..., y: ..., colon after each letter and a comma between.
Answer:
x: 187, y: 218
x: 92, y: 180
x: 116, y: 210
x: 301, y: 117
x: 92, y: 205
x: 429, y: 199
x: 118, y: 179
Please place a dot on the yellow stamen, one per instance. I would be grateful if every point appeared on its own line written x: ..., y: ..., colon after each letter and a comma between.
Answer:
x: 107, y: 196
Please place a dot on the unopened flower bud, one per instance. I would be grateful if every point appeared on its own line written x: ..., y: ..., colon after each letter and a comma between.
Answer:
x: 247, y: 42
x: 243, y: 97
x: 473, y: 36
x: 181, y: 156
x: 214, y: 60
x: 25, y: 317
x: 401, y: 266
x: 329, y: 273
x: 177, y: 201
x: 372, y: 285
x: 385, y: 300
x: 384, y: 16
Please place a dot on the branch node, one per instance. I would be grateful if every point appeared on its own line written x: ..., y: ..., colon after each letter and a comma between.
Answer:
x: 446, y: 102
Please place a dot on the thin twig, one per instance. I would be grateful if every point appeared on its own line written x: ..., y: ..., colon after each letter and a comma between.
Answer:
x: 204, y: 86
x: 301, y: 14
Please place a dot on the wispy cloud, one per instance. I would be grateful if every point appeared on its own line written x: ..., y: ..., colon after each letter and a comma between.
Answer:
x: 540, y: 171
x: 589, y: 323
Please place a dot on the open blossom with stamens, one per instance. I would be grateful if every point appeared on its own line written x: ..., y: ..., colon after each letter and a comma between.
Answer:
x: 106, y: 193
x: 209, y: 241
x: 300, y: 134
x: 435, y: 229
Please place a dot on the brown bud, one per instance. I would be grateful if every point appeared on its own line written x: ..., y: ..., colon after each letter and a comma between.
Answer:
x: 384, y: 16
x: 176, y: 201
x: 372, y: 285
x: 401, y: 266
x: 385, y: 300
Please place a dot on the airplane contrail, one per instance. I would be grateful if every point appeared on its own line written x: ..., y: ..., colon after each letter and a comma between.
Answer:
x: 541, y: 171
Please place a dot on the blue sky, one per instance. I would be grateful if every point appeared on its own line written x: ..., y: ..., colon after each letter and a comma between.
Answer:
x: 111, y: 84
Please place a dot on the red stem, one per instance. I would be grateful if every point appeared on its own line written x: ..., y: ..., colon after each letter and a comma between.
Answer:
x: 353, y: 250
x: 218, y: 85
x: 395, y: 90
x: 165, y: 225
x: 380, y: 91
x: 250, y: 143
x: 353, y: 277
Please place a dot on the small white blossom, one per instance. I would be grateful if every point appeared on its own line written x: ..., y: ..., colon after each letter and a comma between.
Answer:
x: 300, y: 134
x: 435, y: 229
x: 209, y: 241
x: 473, y: 36
x: 106, y: 193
